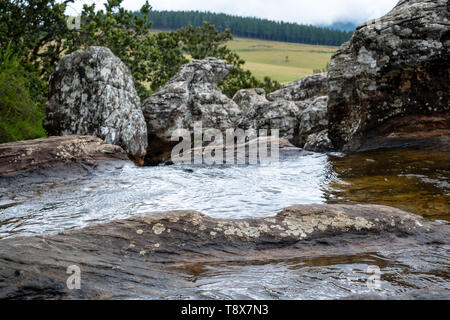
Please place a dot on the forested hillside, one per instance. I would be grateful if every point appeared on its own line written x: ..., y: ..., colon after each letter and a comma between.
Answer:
x: 251, y: 27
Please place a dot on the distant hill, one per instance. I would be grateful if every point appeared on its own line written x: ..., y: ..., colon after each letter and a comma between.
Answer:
x: 251, y: 27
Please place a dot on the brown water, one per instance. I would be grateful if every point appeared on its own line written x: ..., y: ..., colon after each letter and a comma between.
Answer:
x: 416, y: 181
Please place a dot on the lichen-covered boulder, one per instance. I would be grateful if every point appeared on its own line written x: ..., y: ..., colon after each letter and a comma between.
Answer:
x: 313, y: 119
x: 318, y: 142
x: 247, y: 99
x: 305, y: 88
x: 297, y: 110
x: 393, y: 68
x: 259, y: 113
x: 191, y: 95
x: 92, y: 93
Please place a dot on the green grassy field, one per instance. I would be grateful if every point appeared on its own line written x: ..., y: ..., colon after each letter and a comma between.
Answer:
x: 268, y: 58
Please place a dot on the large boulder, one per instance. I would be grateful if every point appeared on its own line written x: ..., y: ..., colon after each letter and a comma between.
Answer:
x: 318, y: 142
x: 305, y: 88
x: 92, y: 93
x: 191, y: 95
x: 313, y: 119
x: 259, y: 113
x: 298, y: 110
x: 390, y: 84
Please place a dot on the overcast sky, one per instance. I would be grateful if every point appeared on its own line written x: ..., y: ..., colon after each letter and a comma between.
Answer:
x: 300, y: 11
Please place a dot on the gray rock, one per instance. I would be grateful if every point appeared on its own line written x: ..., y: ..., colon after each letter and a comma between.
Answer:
x: 191, y: 95
x: 392, y: 80
x: 313, y: 119
x: 318, y: 142
x: 282, y: 115
x: 306, y: 88
x: 298, y: 110
x: 55, y: 152
x: 247, y: 100
x: 92, y: 93
x: 148, y: 256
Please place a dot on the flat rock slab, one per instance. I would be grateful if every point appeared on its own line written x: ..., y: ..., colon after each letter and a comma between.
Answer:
x: 143, y: 256
x: 55, y: 152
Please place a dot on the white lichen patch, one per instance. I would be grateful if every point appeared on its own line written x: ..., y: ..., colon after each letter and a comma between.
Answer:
x: 158, y: 228
x: 243, y: 229
x: 196, y: 219
x: 174, y: 219
x: 277, y: 226
x: 365, y: 57
x: 212, y: 233
x: 139, y: 231
x: 307, y: 225
x: 294, y: 227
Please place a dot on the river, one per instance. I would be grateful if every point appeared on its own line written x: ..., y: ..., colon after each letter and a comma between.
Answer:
x: 415, y: 181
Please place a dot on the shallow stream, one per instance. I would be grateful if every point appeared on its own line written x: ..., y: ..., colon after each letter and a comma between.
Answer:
x: 415, y: 181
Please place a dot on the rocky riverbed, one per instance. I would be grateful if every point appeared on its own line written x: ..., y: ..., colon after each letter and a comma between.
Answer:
x: 145, y: 256
x: 309, y: 226
x: 65, y: 221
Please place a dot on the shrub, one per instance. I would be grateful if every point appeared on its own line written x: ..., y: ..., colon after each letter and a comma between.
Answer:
x: 21, y: 99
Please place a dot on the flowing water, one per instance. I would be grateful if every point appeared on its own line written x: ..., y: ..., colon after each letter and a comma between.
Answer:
x: 415, y: 181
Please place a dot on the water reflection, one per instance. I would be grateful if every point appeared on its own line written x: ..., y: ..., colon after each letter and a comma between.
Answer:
x: 49, y: 203
x: 415, y: 181
x: 318, y: 278
x: 419, y: 182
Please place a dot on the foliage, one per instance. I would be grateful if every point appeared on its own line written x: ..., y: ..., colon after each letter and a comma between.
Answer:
x: 21, y: 101
x: 150, y: 58
x: 206, y: 41
x: 35, y: 30
x: 39, y: 33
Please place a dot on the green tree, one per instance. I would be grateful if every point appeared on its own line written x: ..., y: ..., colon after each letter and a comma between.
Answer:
x: 207, y: 41
x: 39, y: 34
x: 35, y: 31
x: 21, y: 101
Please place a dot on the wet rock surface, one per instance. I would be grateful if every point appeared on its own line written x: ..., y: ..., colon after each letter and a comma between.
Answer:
x: 56, y: 152
x: 143, y: 256
x: 249, y: 153
x: 389, y: 85
x: 92, y: 93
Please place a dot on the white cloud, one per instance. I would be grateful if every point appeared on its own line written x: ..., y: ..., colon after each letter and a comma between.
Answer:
x: 300, y: 11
